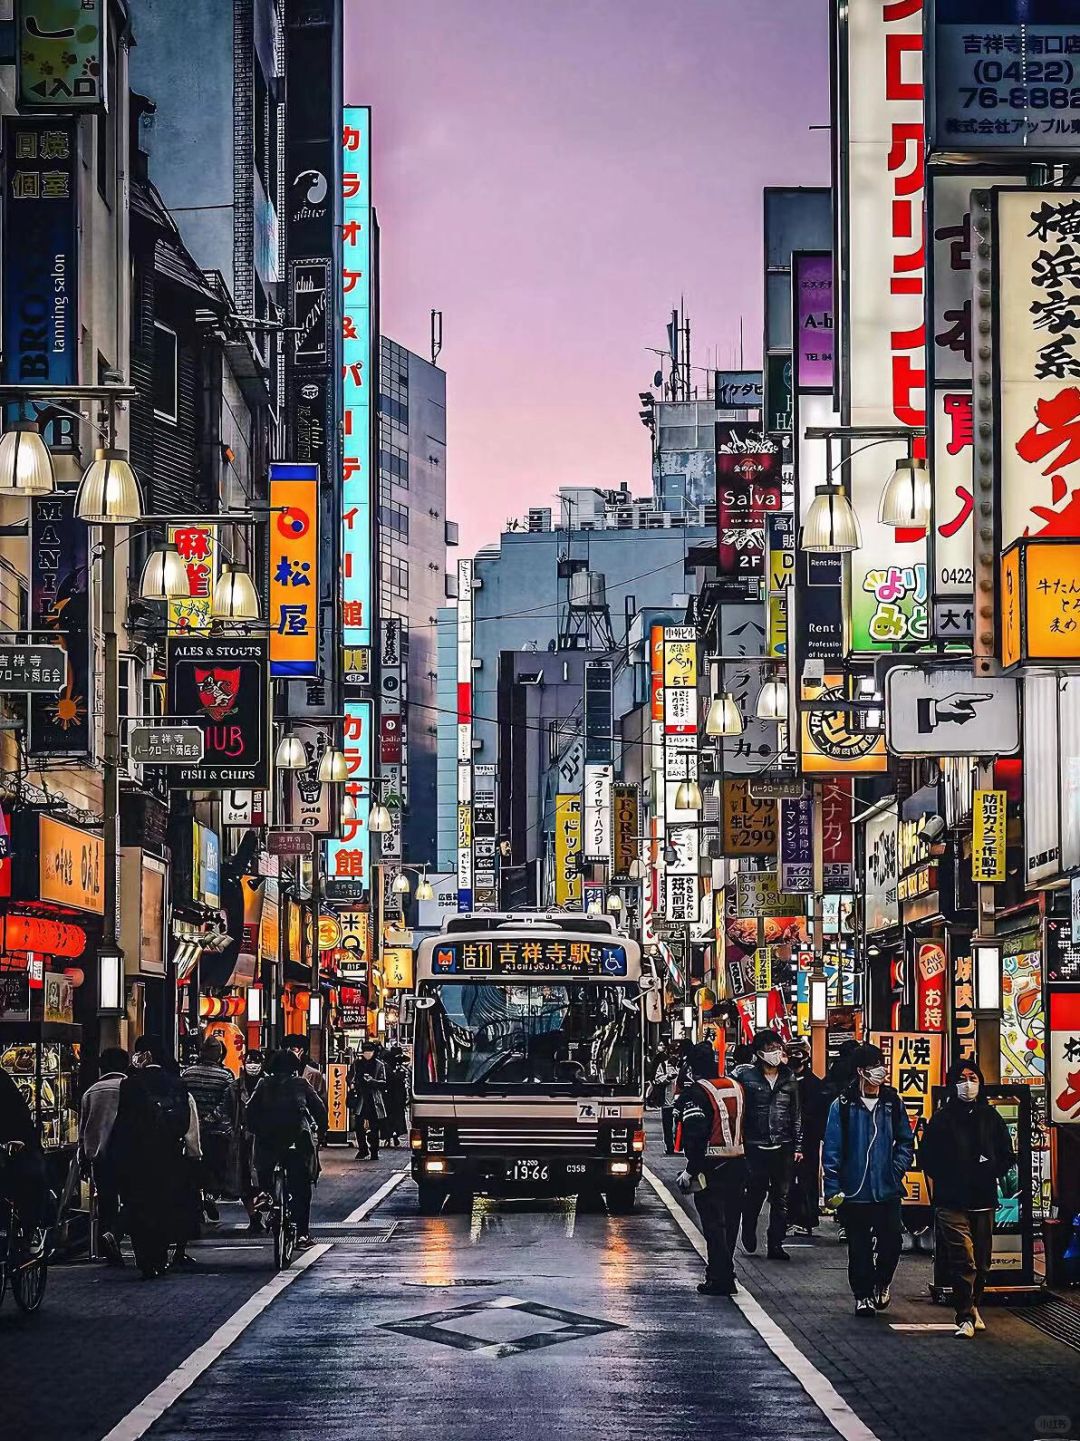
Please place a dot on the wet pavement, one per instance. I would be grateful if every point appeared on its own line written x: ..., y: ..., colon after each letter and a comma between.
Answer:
x: 520, y: 1319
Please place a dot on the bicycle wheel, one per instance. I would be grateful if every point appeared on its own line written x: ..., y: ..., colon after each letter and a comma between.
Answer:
x: 288, y: 1234
x: 28, y: 1284
x: 278, y: 1218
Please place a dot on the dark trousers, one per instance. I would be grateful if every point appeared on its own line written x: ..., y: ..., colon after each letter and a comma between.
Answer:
x: 768, y: 1173
x: 667, y: 1120
x: 108, y: 1197
x: 297, y: 1181
x: 719, y: 1206
x: 366, y: 1126
x: 803, y: 1207
x: 966, y: 1239
x: 874, y: 1236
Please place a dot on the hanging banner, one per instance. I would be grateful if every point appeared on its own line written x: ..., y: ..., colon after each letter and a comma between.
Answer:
x: 220, y: 684
x: 796, y: 846
x: 567, y: 852
x: 930, y: 986
x: 348, y: 858
x: 626, y: 847
x: 60, y: 725
x: 358, y: 374
x: 60, y: 56
x: 988, y: 837
x: 197, y: 545
x: 294, y: 570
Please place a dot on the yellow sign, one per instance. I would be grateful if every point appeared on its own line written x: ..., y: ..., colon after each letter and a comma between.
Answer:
x: 464, y: 826
x: 337, y: 1103
x: 1050, y: 601
x: 329, y: 933
x: 197, y: 545
x: 913, y: 1059
x: 354, y: 935
x: 397, y: 967
x: 831, y: 744
x: 781, y: 578
x: 567, y: 850
x: 71, y: 866
x: 294, y: 579
x: 763, y: 959
x: 988, y: 837
x: 680, y: 657
x: 750, y: 825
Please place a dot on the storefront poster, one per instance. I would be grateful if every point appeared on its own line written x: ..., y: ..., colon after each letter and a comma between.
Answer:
x: 1023, y: 1022
x: 60, y: 612
x: 914, y: 1064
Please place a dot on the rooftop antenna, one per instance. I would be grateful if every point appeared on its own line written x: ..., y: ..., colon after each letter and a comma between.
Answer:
x: 436, y: 335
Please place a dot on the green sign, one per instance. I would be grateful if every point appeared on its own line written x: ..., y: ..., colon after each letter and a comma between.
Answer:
x: 61, y: 54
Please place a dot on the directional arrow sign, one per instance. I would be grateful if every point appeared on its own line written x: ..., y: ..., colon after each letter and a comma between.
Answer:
x: 949, y: 712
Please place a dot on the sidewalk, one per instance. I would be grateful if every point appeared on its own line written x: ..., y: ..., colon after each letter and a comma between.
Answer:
x: 1012, y: 1383
x: 104, y: 1338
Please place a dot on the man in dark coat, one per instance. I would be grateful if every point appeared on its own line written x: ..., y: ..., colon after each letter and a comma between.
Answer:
x: 153, y: 1115
x: 966, y: 1148
x: 367, y: 1097
x: 804, y: 1211
x: 772, y: 1132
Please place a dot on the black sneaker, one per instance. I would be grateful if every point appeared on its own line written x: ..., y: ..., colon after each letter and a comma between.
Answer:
x: 777, y: 1253
x: 712, y: 1288
x: 882, y: 1298
x: 749, y: 1238
x: 110, y: 1247
x: 865, y: 1307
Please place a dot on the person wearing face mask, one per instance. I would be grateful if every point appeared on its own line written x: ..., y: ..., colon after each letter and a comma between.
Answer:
x: 965, y: 1149
x: 868, y: 1147
x: 772, y: 1133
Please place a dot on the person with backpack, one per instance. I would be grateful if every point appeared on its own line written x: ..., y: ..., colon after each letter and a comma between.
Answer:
x: 97, y: 1116
x: 217, y: 1099
x: 711, y: 1111
x: 287, y: 1120
x: 965, y: 1150
x: 868, y: 1147
x: 146, y: 1148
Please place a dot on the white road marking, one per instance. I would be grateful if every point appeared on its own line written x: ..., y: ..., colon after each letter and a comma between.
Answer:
x: 375, y: 1199
x: 820, y: 1390
x: 139, y: 1420
x: 922, y: 1325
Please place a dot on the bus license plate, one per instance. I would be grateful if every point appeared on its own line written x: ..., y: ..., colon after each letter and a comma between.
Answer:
x: 529, y: 1171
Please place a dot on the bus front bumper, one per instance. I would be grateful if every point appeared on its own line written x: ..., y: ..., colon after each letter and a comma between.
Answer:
x: 530, y: 1175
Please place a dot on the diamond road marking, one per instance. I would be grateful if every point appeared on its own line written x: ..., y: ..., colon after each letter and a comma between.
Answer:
x: 437, y: 1326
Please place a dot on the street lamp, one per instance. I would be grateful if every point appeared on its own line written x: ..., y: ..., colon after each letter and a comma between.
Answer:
x: 235, y: 596
x: 594, y: 908
x: 291, y: 754
x: 614, y: 903
x: 636, y: 871
x: 773, y: 701
x: 380, y: 820
x: 724, y: 717
x: 905, y: 501
x: 333, y: 767
x: 164, y: 575
x: 348, y: 807
x: 688, y: 797
x: 425, y: 891
x: 26, y: 466
x: 401, y: 886
x: 109, y: 491
x: 831, y: 526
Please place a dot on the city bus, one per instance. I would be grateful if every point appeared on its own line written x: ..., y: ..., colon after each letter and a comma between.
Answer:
x: 529, y: 1059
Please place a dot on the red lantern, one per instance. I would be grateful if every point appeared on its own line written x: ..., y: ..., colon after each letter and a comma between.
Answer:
x: 234, y: 1006
x: 302, y: 1000
x: 76, y: 975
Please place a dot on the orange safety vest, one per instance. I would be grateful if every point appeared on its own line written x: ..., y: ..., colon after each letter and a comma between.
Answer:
x: 726, y: 1133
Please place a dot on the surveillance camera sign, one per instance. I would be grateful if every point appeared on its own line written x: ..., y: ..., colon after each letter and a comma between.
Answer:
x: 949, y: 712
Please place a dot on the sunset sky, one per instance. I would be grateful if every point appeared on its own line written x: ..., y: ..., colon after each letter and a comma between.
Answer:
x: 553, y: 175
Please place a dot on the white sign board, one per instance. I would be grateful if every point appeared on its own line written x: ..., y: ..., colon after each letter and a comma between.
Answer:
x: 950, y: 712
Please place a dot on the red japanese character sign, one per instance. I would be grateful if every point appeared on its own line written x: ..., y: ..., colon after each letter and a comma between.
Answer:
x: 1064, y: 1046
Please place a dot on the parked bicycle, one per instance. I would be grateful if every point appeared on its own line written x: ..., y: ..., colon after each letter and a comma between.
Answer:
x: 24, y: 1258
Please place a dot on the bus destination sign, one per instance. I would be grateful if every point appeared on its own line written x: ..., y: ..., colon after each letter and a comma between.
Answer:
x: 521, y: 955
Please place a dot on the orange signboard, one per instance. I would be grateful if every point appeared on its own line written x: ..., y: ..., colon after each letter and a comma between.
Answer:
x: 830, y: 742
x: 71, y: 866
x: 1010, y: 607
x: 294, y: 563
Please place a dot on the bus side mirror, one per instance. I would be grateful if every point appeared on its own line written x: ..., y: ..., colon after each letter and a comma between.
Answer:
x: 654, y: 1008
x: 425, y: 1003
x: 649, y: 983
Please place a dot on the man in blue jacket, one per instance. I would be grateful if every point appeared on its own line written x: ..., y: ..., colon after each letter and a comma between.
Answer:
x: 868, y: 1147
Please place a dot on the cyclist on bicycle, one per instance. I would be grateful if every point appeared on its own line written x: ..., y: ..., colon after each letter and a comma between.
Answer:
x: 287, y: 1118
x: 22, y: 1167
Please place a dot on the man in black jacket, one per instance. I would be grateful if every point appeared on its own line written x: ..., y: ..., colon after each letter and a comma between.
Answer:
x: 803, y: 1211
x: 773, y: 1136
x: 711, y: 1112
x: 965, y: 1149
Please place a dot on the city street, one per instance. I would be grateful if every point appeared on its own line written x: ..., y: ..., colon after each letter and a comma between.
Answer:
x: 521, y: 1318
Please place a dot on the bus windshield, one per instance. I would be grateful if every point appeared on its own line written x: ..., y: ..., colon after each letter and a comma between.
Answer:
x: 539, y: 1037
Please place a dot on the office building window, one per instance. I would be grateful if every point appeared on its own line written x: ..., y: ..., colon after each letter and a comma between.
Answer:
x: 398, y: 576
x: 395, y: 517
x: 166, y: 357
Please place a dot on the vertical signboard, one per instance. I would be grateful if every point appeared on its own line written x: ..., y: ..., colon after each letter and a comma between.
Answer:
x: 197, y: 548
x: 596, y: 796
x: 1064, y: 1049
x: 797, y: 846
x: 837, y: 836
x: 748, y: 490
x: 294, y: 570
x: 884, y: 267
x: 464, y: 734
x: 60, y: 612
x: 914, y: 1065
x: 988, y: 838
x: 60, y: 54
x: 220, y: 684
x: 348, y: 859
x: 598, y: 712
x: 568, y: 852
x: 485, y: 836
x: 309, y: 806
x: 626, y: 846
x: 357, y: 374
x: 812, y: 287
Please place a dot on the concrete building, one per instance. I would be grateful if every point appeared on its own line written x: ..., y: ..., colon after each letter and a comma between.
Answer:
x: 413, y: 534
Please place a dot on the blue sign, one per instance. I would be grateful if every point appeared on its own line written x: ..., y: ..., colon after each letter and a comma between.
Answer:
x: 357, y: 378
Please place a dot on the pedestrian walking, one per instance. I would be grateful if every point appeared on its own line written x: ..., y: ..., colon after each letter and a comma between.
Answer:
x: 396, y: 1123
x: 153, y: 1116
x: 309, y: 1071
x: 772, y: 1131
x: 286, y: 1117
x: 966, y: 1148
x: 711, y: 1110
x: 367, y: 1100
x: 665, y: 1079
x: 214, y: 1089
x: 251, y: 1074
x: 804, y: 1212
x: 97, y: 1116
x: 868, y: 1147
x: 23, y: 1181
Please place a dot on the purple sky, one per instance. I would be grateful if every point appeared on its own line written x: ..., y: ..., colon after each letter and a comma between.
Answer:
x: 552, y: 175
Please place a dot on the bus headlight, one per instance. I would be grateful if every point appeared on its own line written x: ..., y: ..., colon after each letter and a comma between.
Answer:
x: 434, y: 1165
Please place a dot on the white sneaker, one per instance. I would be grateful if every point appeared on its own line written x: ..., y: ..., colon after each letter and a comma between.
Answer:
x: 980, y: 1324
x: 965, y: 1331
